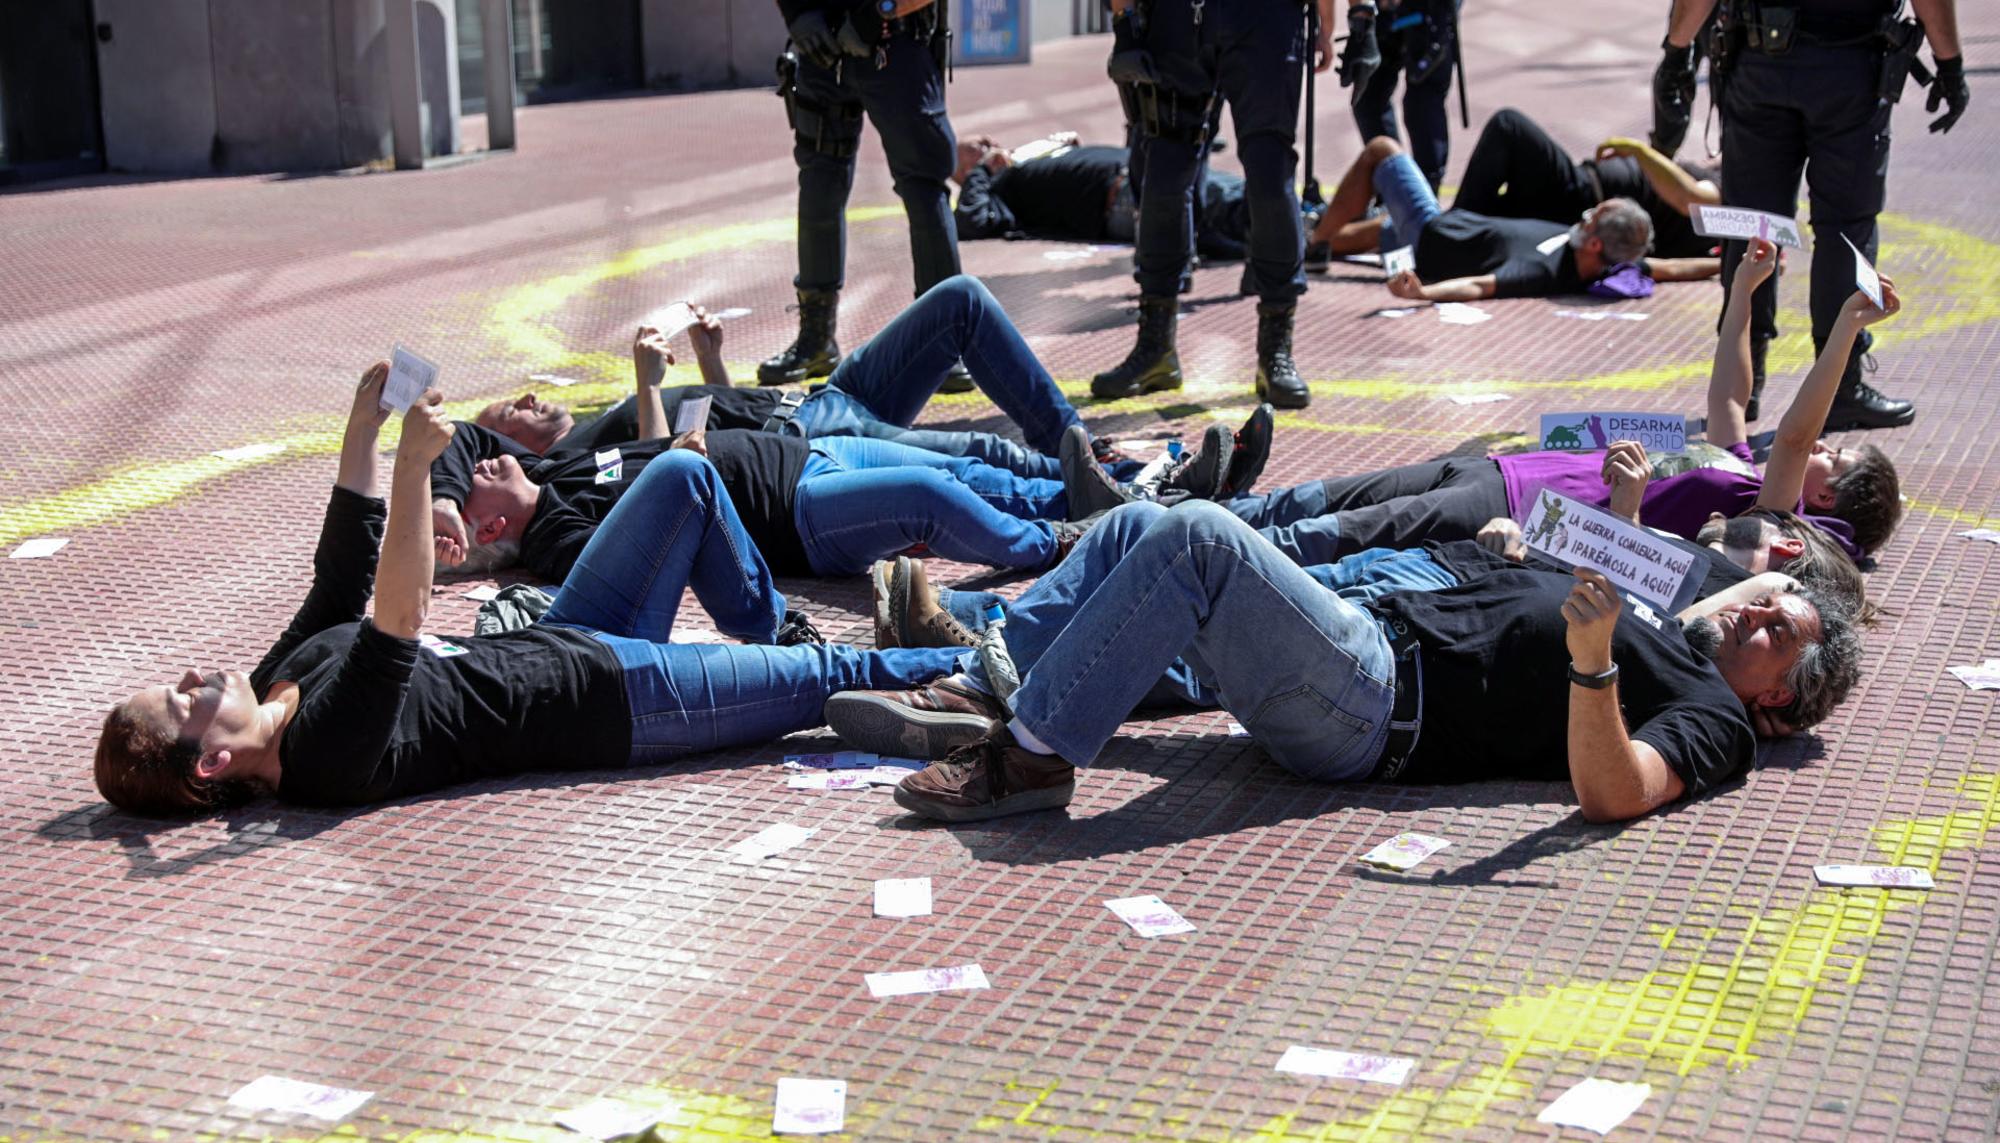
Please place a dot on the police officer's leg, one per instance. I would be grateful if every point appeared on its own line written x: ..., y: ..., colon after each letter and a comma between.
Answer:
x: 826, y: 130
x: 1763, y: 155
x: 905, y: 101
x: 1375, y: 107
x: 1428, y: 54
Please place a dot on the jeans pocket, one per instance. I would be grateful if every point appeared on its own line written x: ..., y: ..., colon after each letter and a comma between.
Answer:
x: 1312, y: 736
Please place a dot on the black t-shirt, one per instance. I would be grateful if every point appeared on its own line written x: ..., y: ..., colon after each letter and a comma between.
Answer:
x: 381, y: 717
x: 1496, y: 684
x: 1673, y: 232
x: 729, y: 408
x: 1063, y: 196
x: 1466, y: 244
x: 761, y: 472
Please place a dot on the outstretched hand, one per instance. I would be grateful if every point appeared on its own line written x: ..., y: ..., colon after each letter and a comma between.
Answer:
x: 1864, y: 312
x: 427, y: 429
x: 1592, y: 614
x: 1757, y: 264
x: 368, y: 414
x: 1625, y: 474
x: 650, y: 356
x: 1408, y: 286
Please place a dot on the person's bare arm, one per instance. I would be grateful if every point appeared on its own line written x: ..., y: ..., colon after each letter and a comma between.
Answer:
x: 403, y: 574
x: 1682, y: 269
x: 1615, y: 777
x: 1685, y: 22
x: 364, y: 426
x: 650, y: 358
x: 1673, y: 184
x: 705, y: 335
x: 1408, y: 286
x: 1940, y: 21
x: 1730, y: 377
x: 1798, y: 429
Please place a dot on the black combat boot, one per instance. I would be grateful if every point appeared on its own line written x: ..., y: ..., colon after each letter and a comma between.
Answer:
x: 1278, y: 380
x: 1152, y: 364
x: 1859, y: 405
x: 814, y: 353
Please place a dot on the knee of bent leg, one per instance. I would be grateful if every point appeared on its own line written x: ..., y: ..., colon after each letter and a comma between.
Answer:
x: 1205, y: 520
x: 680, y: 467
x: 1382, y: 147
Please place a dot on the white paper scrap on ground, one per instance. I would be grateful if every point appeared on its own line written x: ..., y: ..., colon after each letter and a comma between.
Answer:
x: 1741, y: 223
x: 1882, y: 876
x: 1596, y: 1105
x: 608, y: 1119
x: 1575, y: 534
x: 297, y: 1097
x: 1395, y: 311
x: 1601, y: 315
x: 837, y: 760
x: 1477, y: 398
x: 551, y: 379
x: 1981, y: 678
x: 1865, y: 277
x: 961, y: 976
x: 1398, y: 260
x: 1990, y: 535
x: 692, y: 414
x: 810, y: 1107
x: 903, y: 897
x: 846, y: 779
x: 409, y: 376
x: 1325, y: 1062
x: 1458, y: 313
x: 249, y: 451
x: 770, y: 841
x: 670, y: 320
x: 1404, y: 850
x: 40, y: 548
x: 1149, y: 916
x: 482, y: 594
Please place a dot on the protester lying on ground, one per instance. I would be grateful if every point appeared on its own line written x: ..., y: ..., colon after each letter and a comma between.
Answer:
x: 1465, y: 256
x: 1517, y: 171
x: 1458, y: 684
x: 345, y: 710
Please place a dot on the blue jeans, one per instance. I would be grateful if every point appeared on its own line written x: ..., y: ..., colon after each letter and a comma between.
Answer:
x: 861, y: 500
x: 879, y: 388
x: 676, y: 529
x: 1308, y: 673
x: 1407, y: 197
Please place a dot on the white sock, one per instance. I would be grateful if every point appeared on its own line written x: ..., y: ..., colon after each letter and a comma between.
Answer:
x: 1026, y: 737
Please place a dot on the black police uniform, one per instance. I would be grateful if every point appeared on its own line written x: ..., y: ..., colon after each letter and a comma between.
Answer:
x: 1419, y: 40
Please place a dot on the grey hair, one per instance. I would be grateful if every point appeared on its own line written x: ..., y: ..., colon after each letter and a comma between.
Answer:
x: 1828, y: 669
x: 1625, y: 229
x: 489, y: 557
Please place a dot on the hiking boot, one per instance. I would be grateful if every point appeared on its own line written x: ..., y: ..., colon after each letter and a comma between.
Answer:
x: 1253, y: 448
x: 1201, y: 473
x: 958, y: 380
x: 1087, y: 487
x: 1152, y: 364
x: 907, y: 612
x: 1760, y: 348
x: 814, y: 353
x: 988, y: 778
x: 928, y: 722
x: 1278, y: 380
x: 1859, y: 405
x: 798, y: 631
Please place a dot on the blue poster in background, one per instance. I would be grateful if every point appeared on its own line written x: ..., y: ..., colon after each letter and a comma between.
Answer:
x: 989, y: 32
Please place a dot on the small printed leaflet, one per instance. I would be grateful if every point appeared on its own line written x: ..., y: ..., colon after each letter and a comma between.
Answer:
x: 1593, y: 432
x: 608, y: 1119
x: 1984, y: 677
x: 249, y: 451
x: 1329, y: 1064
x: 610, y: 466
x: 1149, y: 916
x: 1990, y: 535
x: 1398, y: 260
x: 1404, y: 850
x: 482, y: 594
x: 297, y: 1097
x: 889, y: 773
x: 671, y: 320
x: 692, y: 415
x: 409, y: 376
x: 1477, y: 398
x: 1879, y: 876
x: 39, y: 549
x: 442, y: 648
x: 903, y: 897
x: 1739, y: 222
x: 551, y: 379
x: 1596, y: 1105
x: 1865, y: 277
x: 1579, y: 535
x: 962, y: 976
x: 1458, y: 313
x: 770, y: 841
x: 810, y: 1107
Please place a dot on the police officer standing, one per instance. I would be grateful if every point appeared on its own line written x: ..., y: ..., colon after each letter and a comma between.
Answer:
x: 1176, y: 57
x: 885, y: 58
x: 1808, y: 87
x: 1419, y: 41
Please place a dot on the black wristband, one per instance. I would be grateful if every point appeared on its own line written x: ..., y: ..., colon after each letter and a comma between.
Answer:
x: 1593, y: 682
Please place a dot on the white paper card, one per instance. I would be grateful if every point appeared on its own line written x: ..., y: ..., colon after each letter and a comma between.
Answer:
x: 692, y: 414
x: 39, y: 549
x: 296, y: 1097
x: 1458, y: 313
x: 1477, y: 398
x: 770, y: 841
x: 249, y: 451
x: 1985, y: 677
x: 962, y: 976
x: 551, y: 379
x: 409, y: 376
x: 1865, y: 277
x: 810, y: 1107
x: 610, y: 466
x: 442, y: 648
x: 1404, y: 850
x: 1398, y: 260
x: 1883, y: 876
x: 1633, y: 559
x: 1590, y: 432
x: 671, y: 320
x: 1990, y: 535
x: 903, y: 897
x: 1738, y: 222
x: 731, y: 312
x: 481, y: 594
x: 608, y: 1119
x: 1595, y: 1104
x: 1301, y: 1060
x: 1149, y: 916
x: 1395, y: 311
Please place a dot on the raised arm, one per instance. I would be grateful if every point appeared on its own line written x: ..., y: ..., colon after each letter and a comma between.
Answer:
x: 403, y: 577
x: 1408, y: 286
x: 1670, y: 181
x: 364, y: 428
x: 1615, y: 777
x: 1798, y: 430
x: 650, y: 358
x: 1625, y: 474
x: 1729, y: 379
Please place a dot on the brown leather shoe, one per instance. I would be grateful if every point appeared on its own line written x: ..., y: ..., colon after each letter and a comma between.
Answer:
x: 913, y: 611
x: 928, y: 722
x: 989, y: 778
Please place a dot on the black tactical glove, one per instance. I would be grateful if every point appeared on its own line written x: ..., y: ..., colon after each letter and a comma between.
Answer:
x: 813, y: 38
x: 1950, y: 89
x: 1361, y: 56
x: 1673, y: 98
x: 1130, y: 62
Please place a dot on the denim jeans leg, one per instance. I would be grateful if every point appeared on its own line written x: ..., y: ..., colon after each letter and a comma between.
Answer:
x: 989, y: 448
x: 1406, y: 195
x: 848, y: 520
x: 1025, y: 498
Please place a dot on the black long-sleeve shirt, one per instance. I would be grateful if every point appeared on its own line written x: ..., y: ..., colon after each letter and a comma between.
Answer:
x: 729, y: 407
x: 1064, y: 196
x: 381, y: 717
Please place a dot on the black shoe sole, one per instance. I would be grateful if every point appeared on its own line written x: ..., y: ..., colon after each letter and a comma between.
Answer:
x: 1158, y: 384
x: 767, y: 377
x: 1282, y: 400
x: 1838, y: 422
x: 884, y: 726
x: 1027, y: 801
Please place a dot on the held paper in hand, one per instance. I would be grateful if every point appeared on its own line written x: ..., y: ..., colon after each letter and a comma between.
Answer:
x: 882, y: 985
x: 1737, y: 222
x: 1865, y: 277
x: 1404, y: 850
x: 1590, y: 432
x: 1327, y: 1063
x: 692, y: 415
x: 903, y: 897
x: 296, y: 1097
x: 39, y: 549
x: 1398, y: 260
x: 1595, y: 1104
x: 1575, y: 534
x: 671, y: 321
x: 1880, y: 876
x: 409, y: 376
x: 810, y: 1107
x: 769, y: 841
x: 1149, y: 916
x: 608, y: 1119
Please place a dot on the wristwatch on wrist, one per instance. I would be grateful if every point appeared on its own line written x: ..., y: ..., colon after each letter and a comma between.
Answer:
x: 1595, y: 682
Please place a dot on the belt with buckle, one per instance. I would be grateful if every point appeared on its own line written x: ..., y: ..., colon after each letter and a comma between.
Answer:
x: 787, y: 408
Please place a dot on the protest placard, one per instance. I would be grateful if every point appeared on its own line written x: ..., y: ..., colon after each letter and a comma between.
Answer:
x: 1576, y: 534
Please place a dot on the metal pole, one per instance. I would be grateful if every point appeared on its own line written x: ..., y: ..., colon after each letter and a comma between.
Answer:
x: 496, y: 25
x: 406, y: 89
